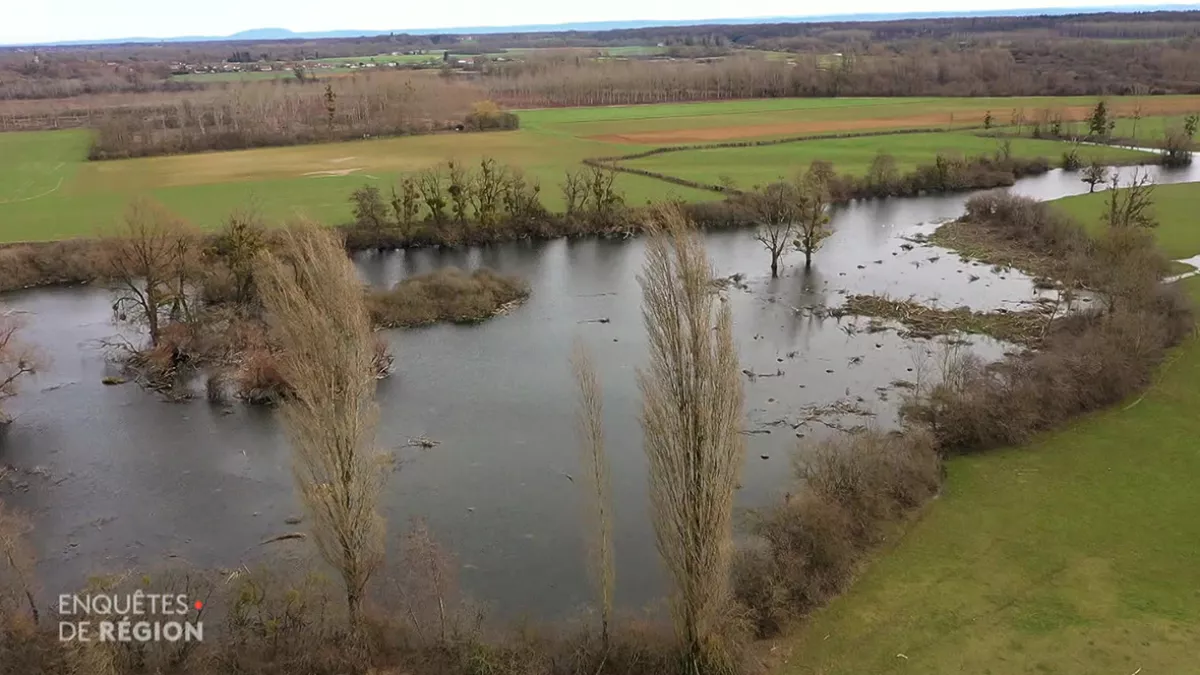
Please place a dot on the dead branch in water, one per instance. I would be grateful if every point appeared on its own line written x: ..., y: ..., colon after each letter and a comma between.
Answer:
x: 422, y: 441
x: 754, y: 376
x: 283, y: 537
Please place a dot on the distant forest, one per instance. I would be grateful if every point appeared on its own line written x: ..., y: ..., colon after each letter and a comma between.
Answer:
x: 1144, y: 53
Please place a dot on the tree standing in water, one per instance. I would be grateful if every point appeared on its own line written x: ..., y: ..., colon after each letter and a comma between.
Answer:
x: 813, y: 210
x: 775, y: 208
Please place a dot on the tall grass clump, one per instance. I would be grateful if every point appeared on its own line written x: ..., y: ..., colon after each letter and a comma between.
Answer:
x: 448, y: 294
x: 691, y: 417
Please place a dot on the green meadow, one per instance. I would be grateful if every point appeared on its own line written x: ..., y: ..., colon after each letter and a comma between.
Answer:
x: 49, y: 191
x: 1075, y: 553
x: 1175, y: 206
x: 759, y: 165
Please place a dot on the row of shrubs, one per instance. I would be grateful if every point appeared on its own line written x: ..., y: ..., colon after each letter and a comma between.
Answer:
x: 947, y: 173
x: 451, y: 205
x: 855, y: 489
x: 442, y: 206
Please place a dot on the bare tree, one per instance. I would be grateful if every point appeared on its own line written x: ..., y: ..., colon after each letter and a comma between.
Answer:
x: 1095, y: 174
x: 16, y: 567
x: 428, y: 586
x: 150, y: 261
x: 315, y: 305
x: 238, y: 245
x: 488, y: 191
x: 575, y: 192
x: 882, y: 174
x: 17, y: 359
x: 813, y: 214
x: 431, y: 184
x: 459, y: 190
x: 691, y: 418
x: 407, y: 205
x: 776, y: 209
x: 369, y: 208
x: 1176, y: 148
x: 1133, y: 205
x: 604, y: 200
x: 1128, y: 267
x: 1017, y: 119
x: 589, y: 425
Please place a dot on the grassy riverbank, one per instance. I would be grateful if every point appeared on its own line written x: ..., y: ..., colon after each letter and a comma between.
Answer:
x: 1074, y: 553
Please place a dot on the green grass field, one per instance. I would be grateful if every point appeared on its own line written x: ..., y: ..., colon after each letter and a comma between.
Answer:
x: 48, y: 191
x: 694, y: 123
x: 1175, y: 205
x: 760, y: 165
x: 1149, y: 129
x: 1076, y: 553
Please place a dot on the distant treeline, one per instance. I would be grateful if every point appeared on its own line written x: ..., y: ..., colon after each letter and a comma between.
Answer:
x: 1030, y: 55
x: 1053, y: 69
x: 290, y: 113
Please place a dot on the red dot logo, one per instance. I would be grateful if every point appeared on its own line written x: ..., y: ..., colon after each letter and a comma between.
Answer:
x: 199, y: 605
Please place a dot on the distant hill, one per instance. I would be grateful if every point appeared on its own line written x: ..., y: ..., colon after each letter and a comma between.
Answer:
x: 264, y: 34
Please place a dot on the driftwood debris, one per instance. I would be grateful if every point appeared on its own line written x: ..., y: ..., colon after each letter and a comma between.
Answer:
x: 754, y: 376
x: 421, y: 441
x: 283, y: 537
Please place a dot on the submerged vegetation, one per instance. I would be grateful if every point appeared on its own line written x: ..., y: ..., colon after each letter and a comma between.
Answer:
x: 855, y: 488
x: 922, y: 321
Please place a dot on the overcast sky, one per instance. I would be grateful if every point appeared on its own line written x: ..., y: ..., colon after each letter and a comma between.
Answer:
x: 25, y: 21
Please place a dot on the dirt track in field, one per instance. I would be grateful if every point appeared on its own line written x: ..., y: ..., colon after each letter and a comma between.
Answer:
x: 1125, y: 108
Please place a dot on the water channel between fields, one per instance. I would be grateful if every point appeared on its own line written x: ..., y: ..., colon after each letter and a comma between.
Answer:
x: 116, y: 479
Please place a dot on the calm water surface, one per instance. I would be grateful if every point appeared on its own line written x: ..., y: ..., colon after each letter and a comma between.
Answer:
x: 116, y: 478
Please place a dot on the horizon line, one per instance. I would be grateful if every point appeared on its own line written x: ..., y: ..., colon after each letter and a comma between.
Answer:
x: 569, y: 26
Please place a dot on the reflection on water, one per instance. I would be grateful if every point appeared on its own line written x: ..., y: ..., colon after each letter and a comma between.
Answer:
x: 116, y: 478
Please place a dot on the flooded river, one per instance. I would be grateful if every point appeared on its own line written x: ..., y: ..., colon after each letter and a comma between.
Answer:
x: 116, y: 478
